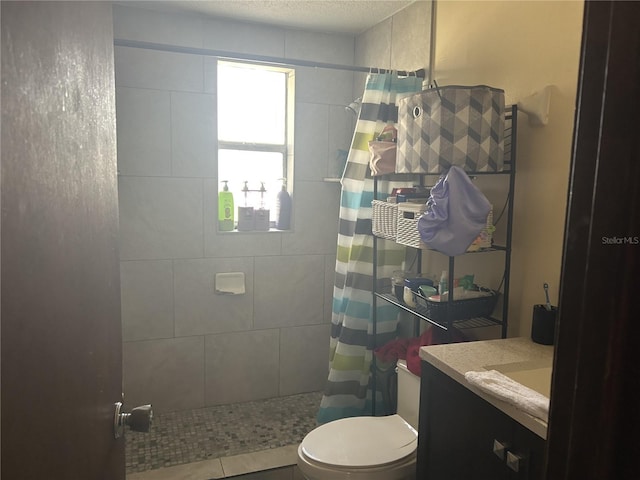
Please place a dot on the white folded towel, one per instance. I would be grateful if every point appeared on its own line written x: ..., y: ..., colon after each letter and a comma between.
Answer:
x: 510, y: 391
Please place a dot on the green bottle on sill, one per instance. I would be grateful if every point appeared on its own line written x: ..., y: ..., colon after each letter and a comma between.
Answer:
x: 225, y: 209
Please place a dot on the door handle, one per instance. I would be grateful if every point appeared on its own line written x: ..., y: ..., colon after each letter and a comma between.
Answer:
x: 515, y: 461
x: 139, y: 420
x: 500, y: 449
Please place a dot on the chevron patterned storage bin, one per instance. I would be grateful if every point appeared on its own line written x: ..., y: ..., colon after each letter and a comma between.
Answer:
x: 453, y: 125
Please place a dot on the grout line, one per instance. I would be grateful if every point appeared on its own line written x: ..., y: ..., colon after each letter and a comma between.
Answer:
x: 259, y: 461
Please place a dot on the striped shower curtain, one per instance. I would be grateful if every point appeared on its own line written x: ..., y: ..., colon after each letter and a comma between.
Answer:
x: 347, y: 392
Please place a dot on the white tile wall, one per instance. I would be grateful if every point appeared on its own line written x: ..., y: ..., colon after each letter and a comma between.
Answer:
x: 318, y: 85
x: 156, y: 27
x: 166, y: 373
x: 312, y: 141
x: 185, y: 346
x: 147, y: 299
x: 341, y: 128
x: 319, y: 47
x: 315, y: 219
x: 289, y: 291
x: 193, y: 127
x: 158, y: 70
x: 373, y: 47
x: 160, y: 218
x: 242, y: 366
x: 198, y: 309
x: 407, y: 25
x: 304, y: 358
x: 144, y: 131
x: 229, y: 36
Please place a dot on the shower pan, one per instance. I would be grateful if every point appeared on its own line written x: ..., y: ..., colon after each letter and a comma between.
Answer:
x: 189, y: 436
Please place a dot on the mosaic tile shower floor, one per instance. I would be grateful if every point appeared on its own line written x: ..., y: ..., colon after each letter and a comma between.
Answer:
x: 220, y: 431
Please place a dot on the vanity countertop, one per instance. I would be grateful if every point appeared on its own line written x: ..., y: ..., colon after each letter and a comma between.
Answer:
x: 521, y: 359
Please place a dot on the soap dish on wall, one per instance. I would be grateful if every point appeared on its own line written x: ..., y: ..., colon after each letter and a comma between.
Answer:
x: 231, y: 283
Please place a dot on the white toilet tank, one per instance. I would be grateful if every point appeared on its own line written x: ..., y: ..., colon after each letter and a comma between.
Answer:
x: 408, y: 394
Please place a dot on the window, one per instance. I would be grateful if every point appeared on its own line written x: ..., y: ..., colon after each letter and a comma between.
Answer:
x: 255, y: 132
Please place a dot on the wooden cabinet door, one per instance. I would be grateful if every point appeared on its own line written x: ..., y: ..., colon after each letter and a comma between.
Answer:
x: 456, y: 433
x: 459, y: 431
x: 531, y: 447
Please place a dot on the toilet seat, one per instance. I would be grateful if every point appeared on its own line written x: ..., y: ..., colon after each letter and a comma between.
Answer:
x: 385, y: 447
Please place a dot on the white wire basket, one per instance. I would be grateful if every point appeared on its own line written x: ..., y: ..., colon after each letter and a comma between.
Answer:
x: 384, y: 219
x: 407, y: 228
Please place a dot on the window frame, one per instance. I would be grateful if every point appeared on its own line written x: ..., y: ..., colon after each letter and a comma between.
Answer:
x: 286, y: 148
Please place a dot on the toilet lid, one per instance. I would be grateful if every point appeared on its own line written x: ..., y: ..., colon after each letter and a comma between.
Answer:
x: 361, y: 441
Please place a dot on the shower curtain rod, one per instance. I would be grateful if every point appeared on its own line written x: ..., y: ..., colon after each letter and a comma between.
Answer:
x: 421, y: 73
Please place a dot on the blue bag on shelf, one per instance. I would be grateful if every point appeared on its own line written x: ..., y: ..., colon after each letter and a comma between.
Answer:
x: 456, y: 214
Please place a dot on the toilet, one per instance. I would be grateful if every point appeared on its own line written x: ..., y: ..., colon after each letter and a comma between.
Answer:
x: 367, y: 448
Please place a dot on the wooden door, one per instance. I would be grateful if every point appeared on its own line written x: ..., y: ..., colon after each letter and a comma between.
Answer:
x: 61, y: 338
x: 594, y: 416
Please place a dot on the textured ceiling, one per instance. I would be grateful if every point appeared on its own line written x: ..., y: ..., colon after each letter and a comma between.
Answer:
x: 342, y: 16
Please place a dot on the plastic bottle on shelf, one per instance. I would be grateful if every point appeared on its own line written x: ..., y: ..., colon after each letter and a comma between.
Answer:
x: 283, y: 208
x: 246, y: 214
x: 262, y: 214
x: 443, y: 286
x: 225, y: 209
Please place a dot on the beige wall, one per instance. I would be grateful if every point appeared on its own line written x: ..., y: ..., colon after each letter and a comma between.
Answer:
x: 521, y: 47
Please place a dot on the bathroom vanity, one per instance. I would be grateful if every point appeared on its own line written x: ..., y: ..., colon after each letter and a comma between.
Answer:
x: 465, y: 433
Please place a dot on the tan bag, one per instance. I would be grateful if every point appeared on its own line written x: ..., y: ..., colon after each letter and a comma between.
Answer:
x: 383, y: 152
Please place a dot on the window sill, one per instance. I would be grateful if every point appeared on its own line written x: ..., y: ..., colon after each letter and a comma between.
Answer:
x: 271, y: 230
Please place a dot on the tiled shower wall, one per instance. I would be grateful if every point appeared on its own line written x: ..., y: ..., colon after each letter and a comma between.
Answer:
x: 185, y: 346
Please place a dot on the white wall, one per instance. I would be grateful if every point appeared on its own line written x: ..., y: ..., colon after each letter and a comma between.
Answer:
x: 184, y: 346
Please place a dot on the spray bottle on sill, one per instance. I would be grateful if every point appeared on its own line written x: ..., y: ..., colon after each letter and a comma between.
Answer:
x: 283, y: 208
x: 225, y: 209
